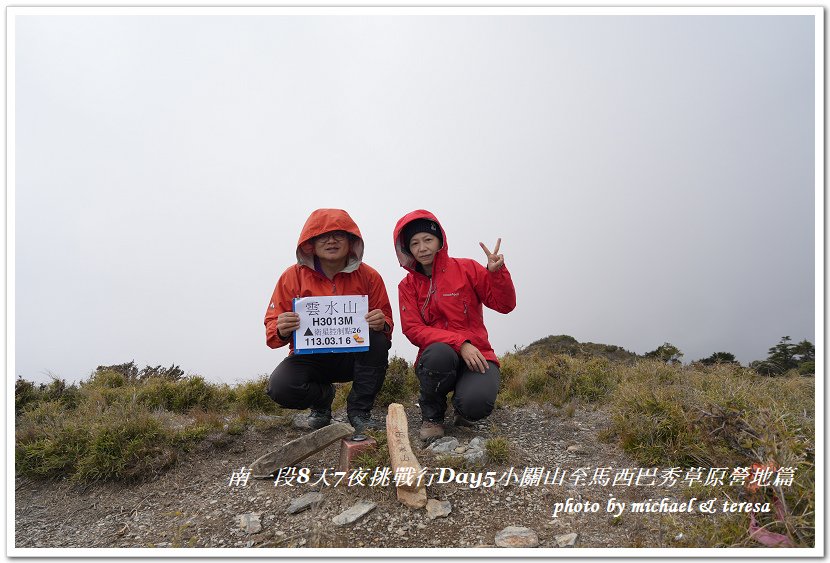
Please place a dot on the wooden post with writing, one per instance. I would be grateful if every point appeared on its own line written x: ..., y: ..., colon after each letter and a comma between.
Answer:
x: 411, y: 492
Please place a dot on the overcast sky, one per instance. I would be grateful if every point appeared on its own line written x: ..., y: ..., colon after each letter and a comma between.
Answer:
x: 652, y: 178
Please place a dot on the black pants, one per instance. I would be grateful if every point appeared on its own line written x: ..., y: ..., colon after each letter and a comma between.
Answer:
x: 441, y: 370
x: 302, y: 380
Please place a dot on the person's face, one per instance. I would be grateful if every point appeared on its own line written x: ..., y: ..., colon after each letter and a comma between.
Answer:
x: 333, y: 245
x: 423, y: 247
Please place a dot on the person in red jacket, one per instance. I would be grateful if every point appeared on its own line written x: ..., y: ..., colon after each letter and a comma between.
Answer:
x: 329, y: 262
x: 441, y: 302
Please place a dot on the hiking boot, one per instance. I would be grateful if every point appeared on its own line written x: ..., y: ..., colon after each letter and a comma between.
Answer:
x: 362, y: 421
x: 319, y: 418
x: 431, y: 431
x: 321, y: 415
x: 459, y: 420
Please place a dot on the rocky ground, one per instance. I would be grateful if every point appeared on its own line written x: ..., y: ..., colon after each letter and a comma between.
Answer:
x: 193, y: 504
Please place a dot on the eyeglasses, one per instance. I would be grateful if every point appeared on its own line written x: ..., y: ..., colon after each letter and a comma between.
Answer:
x: 338, y: 236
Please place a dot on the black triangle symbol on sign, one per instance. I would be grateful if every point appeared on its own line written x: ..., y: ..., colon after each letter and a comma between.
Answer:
x: 308, y: 332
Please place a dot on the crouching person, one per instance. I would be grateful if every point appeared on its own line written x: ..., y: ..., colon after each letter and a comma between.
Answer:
x: 441, y: 302
x: 329, y: 262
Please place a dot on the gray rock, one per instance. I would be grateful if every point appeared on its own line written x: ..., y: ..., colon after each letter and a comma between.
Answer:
x: 305, y: 502
x: 300, y: 421
x: 445, y: 445
x: 478, y: 443
x: 566, y: 540
x: 438, y: 508
x: 354, y: 513
x: 517, y: 536
x: 249, y: 523
x: 476, y: 458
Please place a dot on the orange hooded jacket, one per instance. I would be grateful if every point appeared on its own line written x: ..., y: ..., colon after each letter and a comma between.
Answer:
x: 303, y: 280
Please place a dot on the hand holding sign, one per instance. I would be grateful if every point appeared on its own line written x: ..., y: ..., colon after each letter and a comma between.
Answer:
x: 376, y: 320
x: 494, y: 260
x: 287, y: 323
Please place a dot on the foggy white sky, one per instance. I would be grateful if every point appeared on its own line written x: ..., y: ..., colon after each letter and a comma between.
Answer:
x: 652, y: 177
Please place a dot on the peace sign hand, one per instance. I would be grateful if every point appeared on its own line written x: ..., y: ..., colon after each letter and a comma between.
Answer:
x: 494, y: 260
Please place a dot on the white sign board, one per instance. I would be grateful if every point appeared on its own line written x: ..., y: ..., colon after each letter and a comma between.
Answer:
x: 332, y: 323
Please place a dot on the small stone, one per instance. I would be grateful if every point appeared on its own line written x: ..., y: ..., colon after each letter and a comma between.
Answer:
x: 517, y: 536
x: 477, y: 443
x: 300, y: 421
x: 438, y: 509
x: 444, y: 445
x: 249, y: 523
x: 576, y: 449
x: 354, y: 513
x: 566, y: 540
x: 304, y: 502
x: 476, y: 458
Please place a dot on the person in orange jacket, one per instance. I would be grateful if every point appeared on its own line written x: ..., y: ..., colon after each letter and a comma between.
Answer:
x: 329, y: 262
x: 441, y: 302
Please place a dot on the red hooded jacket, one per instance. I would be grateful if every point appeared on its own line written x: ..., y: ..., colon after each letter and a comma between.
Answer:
x: 303, y: 280
x: 448, y: 307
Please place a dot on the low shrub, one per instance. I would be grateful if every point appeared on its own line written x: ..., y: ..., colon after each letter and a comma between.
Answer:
x: 400, y: 385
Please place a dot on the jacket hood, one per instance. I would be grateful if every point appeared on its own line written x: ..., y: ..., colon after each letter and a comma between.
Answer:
x: 323, y: 221
x: 406, y: 260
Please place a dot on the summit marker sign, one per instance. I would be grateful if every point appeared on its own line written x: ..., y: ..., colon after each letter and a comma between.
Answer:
x: 332, y: 323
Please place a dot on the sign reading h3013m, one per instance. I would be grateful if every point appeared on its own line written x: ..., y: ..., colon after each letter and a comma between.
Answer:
x: 332, y: 323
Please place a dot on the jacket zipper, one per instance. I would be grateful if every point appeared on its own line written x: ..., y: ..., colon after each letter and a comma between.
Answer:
x: 430, y: 291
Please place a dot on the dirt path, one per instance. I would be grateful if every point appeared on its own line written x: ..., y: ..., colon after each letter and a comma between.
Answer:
x: 193, y: 505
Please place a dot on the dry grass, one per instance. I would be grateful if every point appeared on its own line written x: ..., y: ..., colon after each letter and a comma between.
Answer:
x: 692, y: 416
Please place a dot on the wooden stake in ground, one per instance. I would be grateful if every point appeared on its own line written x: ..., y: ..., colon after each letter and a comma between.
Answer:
x: 410, y: 492
x: 299, y: 449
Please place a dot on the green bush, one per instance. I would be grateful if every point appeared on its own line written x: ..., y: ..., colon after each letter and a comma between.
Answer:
x: 24, y: 394
x: 498, y: 449
x: 107, y: 379
x: 594, y: 381
x: 120, y: 445
x: 400, y: 384
x: 252, y: 395
x: 124, y: 424
x: 53, y: 453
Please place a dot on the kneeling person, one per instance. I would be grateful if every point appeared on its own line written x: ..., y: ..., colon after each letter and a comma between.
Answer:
x: 329, y: 262
x: 441, y: 301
